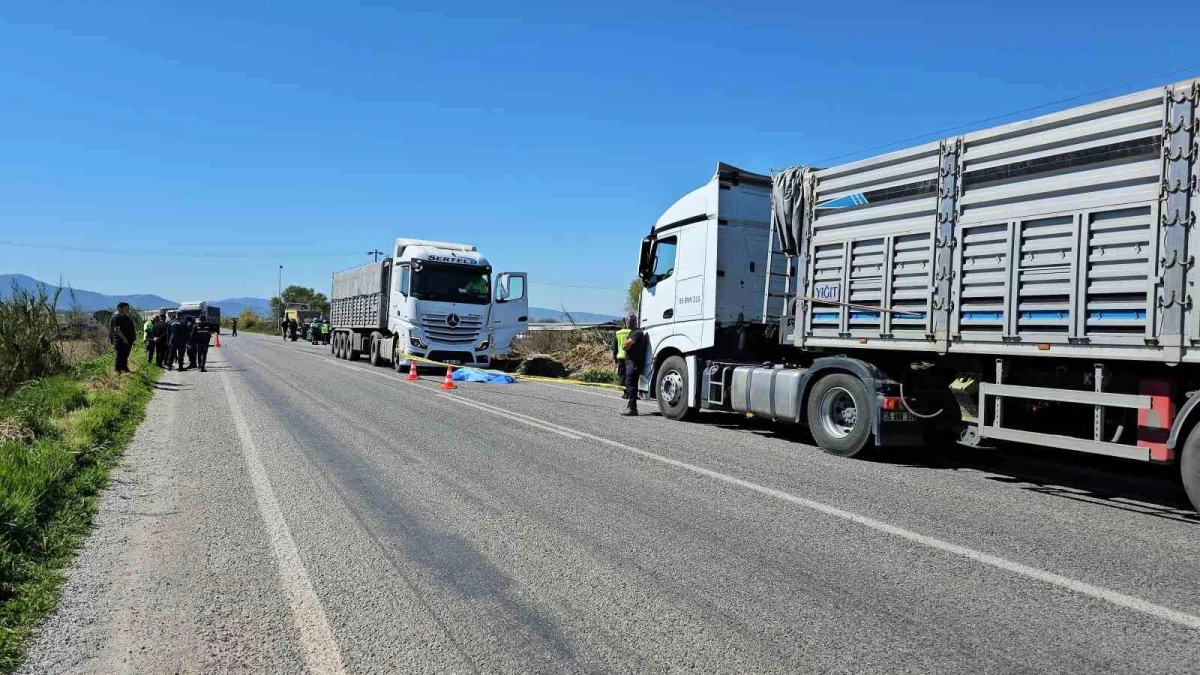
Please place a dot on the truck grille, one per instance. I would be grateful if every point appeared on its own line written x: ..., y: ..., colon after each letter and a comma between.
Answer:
x: 466, y: 331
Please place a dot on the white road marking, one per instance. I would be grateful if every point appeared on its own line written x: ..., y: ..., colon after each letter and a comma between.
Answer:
x: 1083, y: 588
x: 511, y: 416
x: 317, y: 642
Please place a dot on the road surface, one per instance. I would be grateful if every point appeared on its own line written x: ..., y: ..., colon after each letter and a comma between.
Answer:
x: 288, y: 511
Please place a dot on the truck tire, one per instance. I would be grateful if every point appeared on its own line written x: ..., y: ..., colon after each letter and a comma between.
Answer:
x: 376, y: 358
x: 352, y: 354
x: 1189, y: 466
x: 398, y: 364
x: 839, y: 414
x: 671, y: 387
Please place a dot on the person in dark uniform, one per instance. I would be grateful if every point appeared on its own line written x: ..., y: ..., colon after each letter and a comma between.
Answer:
x: 635, y: 346
x: 177, y: 339
x: 292, y: 328
x: 233, y: 326
x: 191, y: 325
x: 200, y: 337
x: 121, y: 334
x: 162, y: 337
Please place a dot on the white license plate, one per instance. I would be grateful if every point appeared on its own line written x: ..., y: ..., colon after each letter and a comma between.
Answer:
x: 454, y: 362
x: 897, y: 416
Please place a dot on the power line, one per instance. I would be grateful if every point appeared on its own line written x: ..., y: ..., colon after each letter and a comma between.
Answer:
x: 231, y: 255
x: 947, y: 130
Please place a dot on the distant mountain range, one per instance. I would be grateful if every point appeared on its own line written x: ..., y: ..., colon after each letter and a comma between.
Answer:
x: 90, y: 301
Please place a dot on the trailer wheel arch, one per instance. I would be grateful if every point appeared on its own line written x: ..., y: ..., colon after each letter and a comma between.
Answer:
x: 1185, y: 420
x: 870, y: 375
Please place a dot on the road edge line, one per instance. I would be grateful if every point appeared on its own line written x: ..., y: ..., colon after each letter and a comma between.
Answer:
x: 317, y: 642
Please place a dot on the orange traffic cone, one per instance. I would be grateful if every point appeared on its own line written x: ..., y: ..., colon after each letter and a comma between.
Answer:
x: 218, y: 335
x: 412, y: 371
x: 449, y: 383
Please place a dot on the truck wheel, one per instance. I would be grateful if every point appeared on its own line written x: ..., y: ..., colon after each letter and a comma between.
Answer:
x: 340, y: 347
x: 351, y: 353
x: 839, y: 414
x: 671, y: 388
x: 1189, y: 467
x: 375, y: 359
x: 398, y: 364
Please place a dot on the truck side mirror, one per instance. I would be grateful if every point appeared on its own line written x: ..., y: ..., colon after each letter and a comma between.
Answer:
x: 646, y: 261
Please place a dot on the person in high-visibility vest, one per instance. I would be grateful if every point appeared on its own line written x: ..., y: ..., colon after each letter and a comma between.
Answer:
x: 618, y: 348
x: 148, y: 337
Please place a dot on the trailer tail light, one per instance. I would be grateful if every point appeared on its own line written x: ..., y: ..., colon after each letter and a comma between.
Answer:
x: 892, y: 403
x: 1154, y: 423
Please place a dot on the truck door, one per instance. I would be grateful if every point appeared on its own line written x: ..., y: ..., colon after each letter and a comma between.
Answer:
x: 658, y: 296
x: 510, y: 310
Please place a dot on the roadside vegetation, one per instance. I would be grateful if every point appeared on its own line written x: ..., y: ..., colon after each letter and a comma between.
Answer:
x: 252, y: 322
x: 64, y: 420
x: 583, y: 353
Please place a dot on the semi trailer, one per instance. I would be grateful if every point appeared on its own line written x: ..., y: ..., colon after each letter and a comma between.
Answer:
x: 210, y: 315
x: 1032, y: 282
x: 429, y: 299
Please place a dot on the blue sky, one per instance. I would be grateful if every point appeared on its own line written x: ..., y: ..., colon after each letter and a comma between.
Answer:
x: 191, y: 148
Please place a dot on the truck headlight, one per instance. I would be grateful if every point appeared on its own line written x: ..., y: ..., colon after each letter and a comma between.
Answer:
x: 483, y: 345
x: 416, y: 342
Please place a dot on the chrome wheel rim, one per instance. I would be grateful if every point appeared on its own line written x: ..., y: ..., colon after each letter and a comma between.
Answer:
x: 839, y: 415
x: 671, y: 387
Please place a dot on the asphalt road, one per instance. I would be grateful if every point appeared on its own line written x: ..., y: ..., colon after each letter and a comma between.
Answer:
x: 287, y: 511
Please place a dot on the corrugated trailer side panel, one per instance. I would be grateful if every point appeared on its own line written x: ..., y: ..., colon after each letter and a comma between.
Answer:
x: 1041, y: 237
x: 359, y: 296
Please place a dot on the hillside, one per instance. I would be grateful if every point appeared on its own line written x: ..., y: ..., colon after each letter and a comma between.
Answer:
x: 88, y: 301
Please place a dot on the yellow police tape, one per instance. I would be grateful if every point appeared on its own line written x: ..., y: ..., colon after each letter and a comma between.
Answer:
x: 534, y: 378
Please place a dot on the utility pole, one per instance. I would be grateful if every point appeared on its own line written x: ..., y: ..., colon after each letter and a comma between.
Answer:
x: 375, y: 253
x: 279, y: 294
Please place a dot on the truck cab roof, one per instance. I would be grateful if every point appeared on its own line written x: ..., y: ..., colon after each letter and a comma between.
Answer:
x: 438, y: 252
x: 701, y: 203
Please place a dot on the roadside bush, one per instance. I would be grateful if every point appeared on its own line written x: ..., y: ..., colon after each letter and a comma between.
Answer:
x: 598, y: 375
x: 29, y: 346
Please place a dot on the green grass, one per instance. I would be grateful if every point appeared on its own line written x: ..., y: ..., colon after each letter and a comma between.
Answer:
x: 80, y: 423
x: 598, y: 375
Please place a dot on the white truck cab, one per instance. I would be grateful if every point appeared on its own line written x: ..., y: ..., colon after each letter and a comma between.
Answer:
x: 445, y: 307
x: 702, y: 270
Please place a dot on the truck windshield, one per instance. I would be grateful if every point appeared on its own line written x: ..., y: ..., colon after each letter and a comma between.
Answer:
x: 452, y: 283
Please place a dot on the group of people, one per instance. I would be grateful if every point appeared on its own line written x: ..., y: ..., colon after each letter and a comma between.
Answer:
x: 169, y: 337
x: 629, y: 352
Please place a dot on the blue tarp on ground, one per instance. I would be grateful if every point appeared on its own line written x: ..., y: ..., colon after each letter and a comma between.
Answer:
x: 476, y: 375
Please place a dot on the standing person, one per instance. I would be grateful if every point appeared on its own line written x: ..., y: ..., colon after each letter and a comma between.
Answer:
x: 635, y: 345
x: 148, y: 337
x: 177, y: 340
x: 120, y: 333
x: 292, y: 328
x: 233, y: 326
x: 190, y: 345
x: 200, y: 338
x: 618, y: 348
x: 162, y: 335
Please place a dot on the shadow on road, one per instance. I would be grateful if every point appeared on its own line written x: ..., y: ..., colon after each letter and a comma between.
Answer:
x: 1094, y: 479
